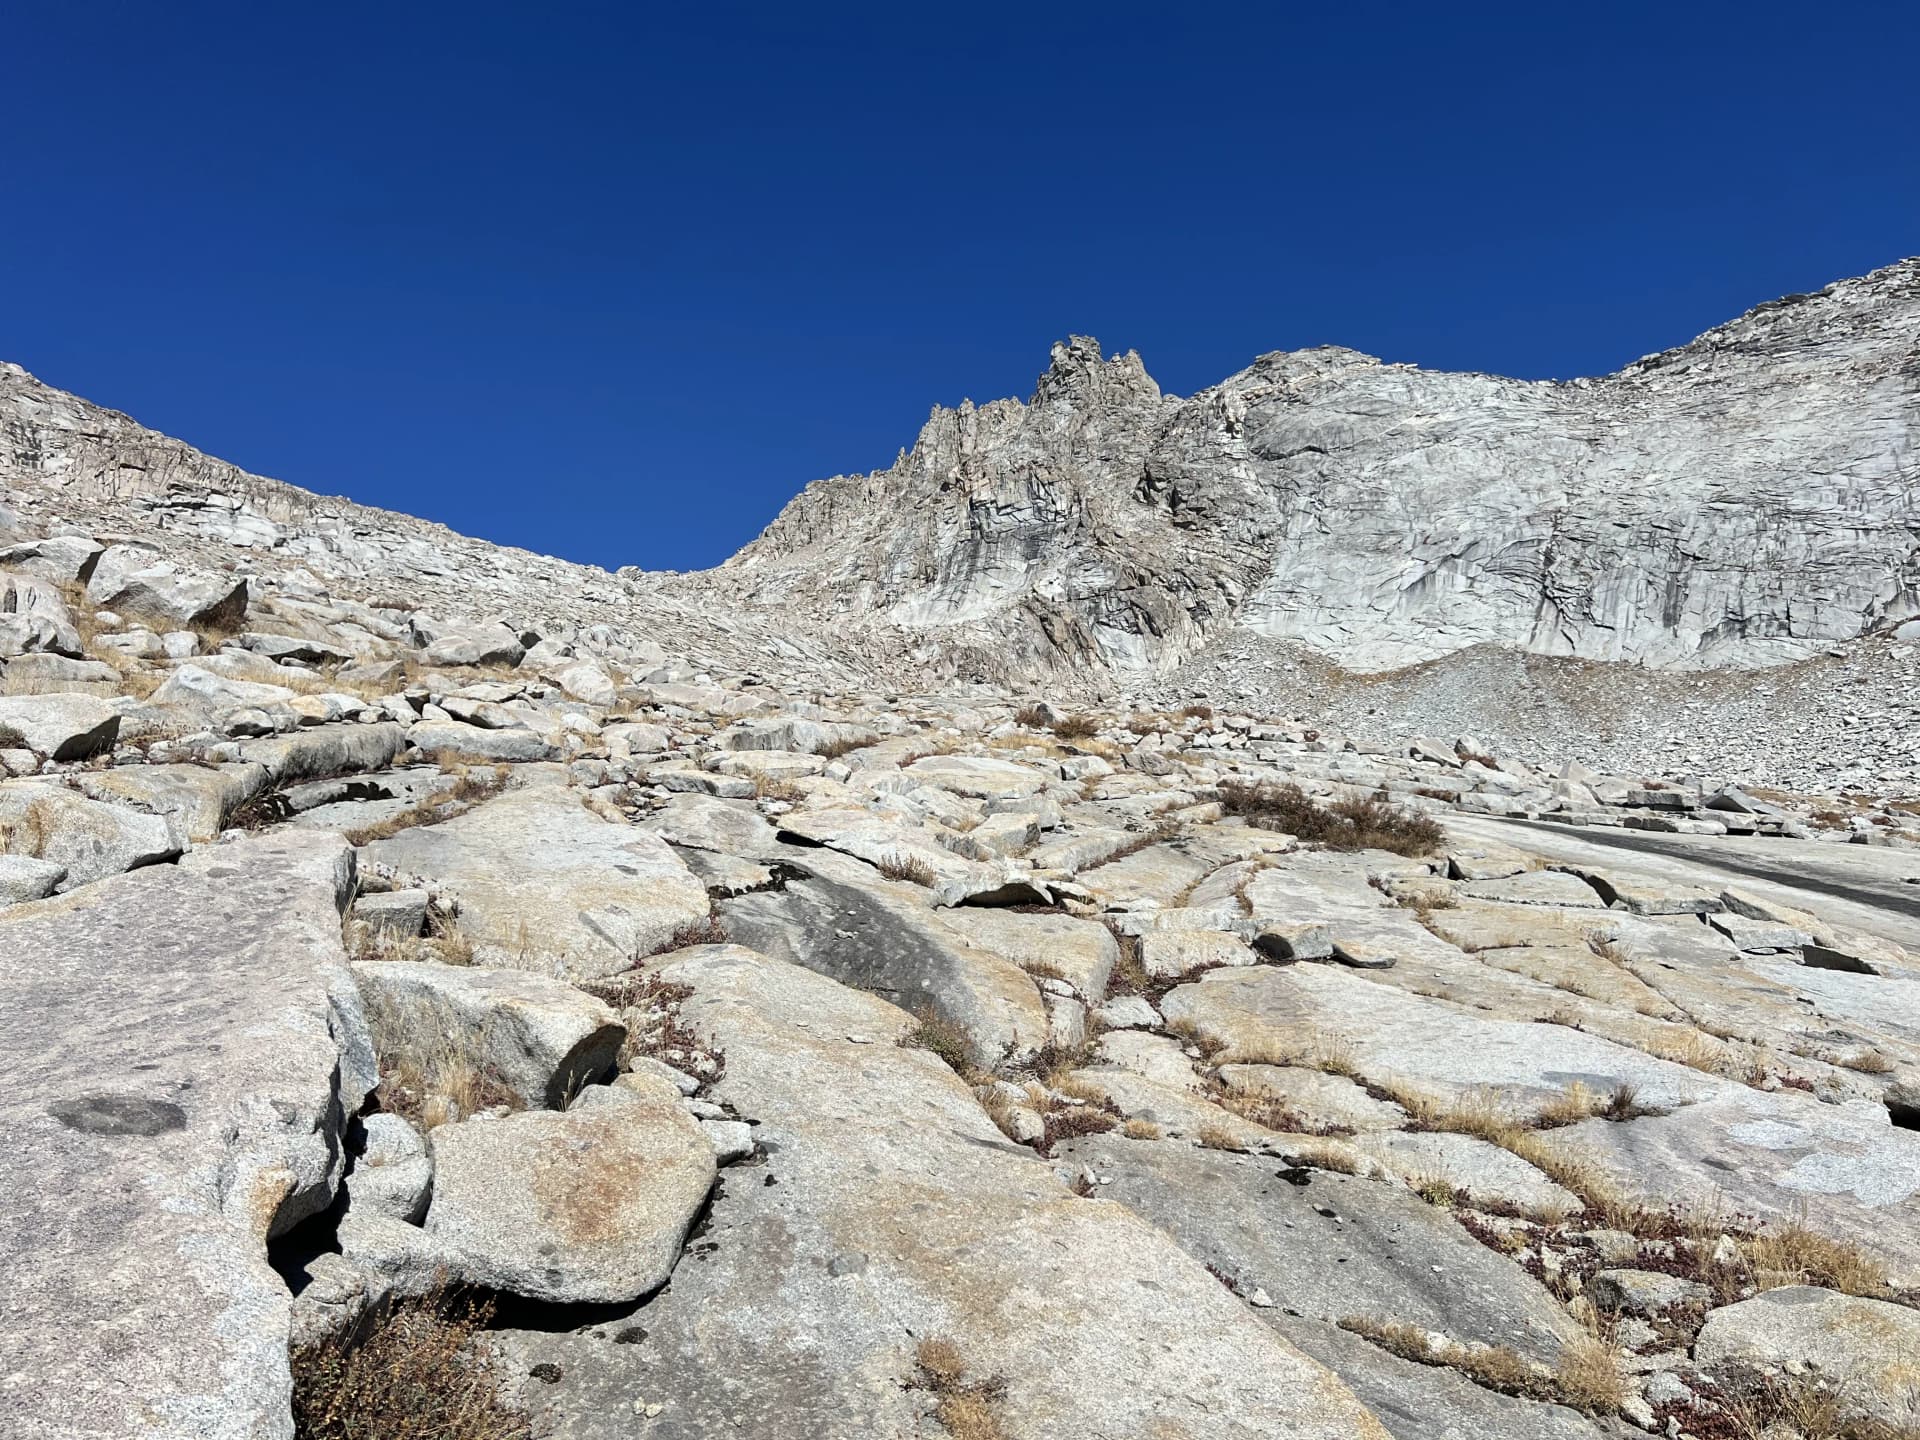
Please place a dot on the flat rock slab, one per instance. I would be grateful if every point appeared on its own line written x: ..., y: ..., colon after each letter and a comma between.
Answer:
x: 1080, y: 952
x: 1317, y: 1098
x: 1868, y: 1349
x: 1537, y: 887
x: 542, y: 1038
x: 201, y: 798
x: 1328, y: 1246
x: 890, y: 1208
x: 177, y: 1085
x: 978, y: 776
x: 1484, y: 1173
x: 588, y: 1206
x: 1442, y: 1048
x: 1782, y: 1157
x: 1146, y: 879
x: 884, y: 841
x: 545, y: 883
x: 705, y: 822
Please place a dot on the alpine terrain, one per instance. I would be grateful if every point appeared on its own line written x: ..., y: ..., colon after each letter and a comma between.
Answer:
x: 1363, y: 902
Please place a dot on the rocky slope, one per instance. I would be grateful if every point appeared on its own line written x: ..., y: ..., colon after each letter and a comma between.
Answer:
x: 455, y: 993
x: 1746, y: 499
x: 864, y: 1066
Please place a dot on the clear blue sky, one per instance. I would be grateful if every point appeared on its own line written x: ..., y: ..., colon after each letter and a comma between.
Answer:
x: 615, y: 281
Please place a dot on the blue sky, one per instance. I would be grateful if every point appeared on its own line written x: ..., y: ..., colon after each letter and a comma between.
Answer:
x: 615, y: 281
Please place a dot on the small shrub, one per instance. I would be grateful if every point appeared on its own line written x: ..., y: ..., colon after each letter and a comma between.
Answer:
x: 1076, y: 727
x: 11, y: 739
x: 843, y: 745
x: 426, y: 1372
x: 1031, y: 717
x: 1867, y: 1062
x: 1196, y: 712
x: 1141, y: 1130
x: 1368, y: 823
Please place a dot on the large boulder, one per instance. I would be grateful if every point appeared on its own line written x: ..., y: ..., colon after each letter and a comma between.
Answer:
x: 474, y: 645
x: 542, y: 882
x: 62, y: 559
x: 22, y: 877
x: 207, y: 692
x: 538, y: 1037
x: 587, y: 1206
x: 134, y: 580
x: 183, y: 1048
x: 60, y: 727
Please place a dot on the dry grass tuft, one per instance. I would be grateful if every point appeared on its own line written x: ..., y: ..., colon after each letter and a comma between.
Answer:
x: 426, y: 1372
x: 941, y: 1037
x: 968, y: 1409
x: 649, y: 1006
x: 1141, y: 1130
x: 1588, y: 1376
x: 910, y: 868
x: 1215, y: 1136
x: 776, y: 787
x: 1368, y: 823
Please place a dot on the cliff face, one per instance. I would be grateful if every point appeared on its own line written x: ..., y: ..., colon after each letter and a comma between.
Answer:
x: 1746, y: 499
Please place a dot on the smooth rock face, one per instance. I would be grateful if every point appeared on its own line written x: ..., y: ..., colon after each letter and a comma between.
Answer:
x: 587, y: 1206
x: 1381, y: 1252
x: 89, y: 839
x: 826, y: 1274
x: 843, y: 921
x: 537, y: 874
x: 144, y: 1168
x: 539, y: 1036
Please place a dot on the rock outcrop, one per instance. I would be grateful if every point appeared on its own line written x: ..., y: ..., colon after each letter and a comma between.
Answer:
x: 1743, y: 500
